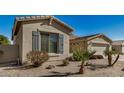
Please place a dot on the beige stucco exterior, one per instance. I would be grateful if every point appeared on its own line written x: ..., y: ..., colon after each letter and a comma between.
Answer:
x: 118, y: 48
x: 118, y: 45
x: 18, y: 41
x: 97, y: 43
x: 24, y: 38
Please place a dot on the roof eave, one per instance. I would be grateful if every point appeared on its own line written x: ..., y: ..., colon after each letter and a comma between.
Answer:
x: 21, y: 19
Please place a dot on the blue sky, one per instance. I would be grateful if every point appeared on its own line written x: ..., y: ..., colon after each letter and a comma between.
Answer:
x: 112, y: 26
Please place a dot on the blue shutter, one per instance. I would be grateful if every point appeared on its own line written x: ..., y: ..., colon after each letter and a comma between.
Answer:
x: 35, y: 40
x: 61, y: 44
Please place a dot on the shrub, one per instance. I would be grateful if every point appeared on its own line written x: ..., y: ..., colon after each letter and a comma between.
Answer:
x: 77, y: 55
x: 37, y: 57
x: 65, y: 62
x: 93, y: 57
x: 96, y: 57
x: 50, y: 67
x: 100, y: 57
x: 70, y: 58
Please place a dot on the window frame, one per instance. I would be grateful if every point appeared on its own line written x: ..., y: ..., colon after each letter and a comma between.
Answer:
x: 48, y: 33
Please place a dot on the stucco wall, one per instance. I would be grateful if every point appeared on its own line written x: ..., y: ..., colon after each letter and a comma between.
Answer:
x: 27, y: 38
x: 10, y: 53
x: 122, y: 49
x: 18, y: 42
x: 118, y: 48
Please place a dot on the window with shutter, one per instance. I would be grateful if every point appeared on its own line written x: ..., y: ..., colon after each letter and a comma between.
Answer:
x: 61, y: 44
x: 35, y: 41
x: 49, y: 42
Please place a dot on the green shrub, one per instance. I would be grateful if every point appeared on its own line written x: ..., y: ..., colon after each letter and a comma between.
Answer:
x: 77, y: 55
x: 65, y: 62
x: 37, y: 58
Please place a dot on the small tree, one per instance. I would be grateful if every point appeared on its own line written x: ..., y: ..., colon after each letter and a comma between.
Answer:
x: 4, y: 40
x: 83, y: 56
x: 110, y: 52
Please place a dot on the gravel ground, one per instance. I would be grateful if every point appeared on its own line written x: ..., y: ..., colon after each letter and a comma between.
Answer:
x: 98, y: 68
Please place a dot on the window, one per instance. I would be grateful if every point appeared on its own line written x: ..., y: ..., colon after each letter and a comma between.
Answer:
x: 49, y: 42
x: 61, y: 44
x: 35, y: 41
x: 44, y: 42
x: 53, y: 43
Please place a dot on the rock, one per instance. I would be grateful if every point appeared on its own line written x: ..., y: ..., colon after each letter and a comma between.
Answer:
x: 122, y: 69
x: 50, y: 67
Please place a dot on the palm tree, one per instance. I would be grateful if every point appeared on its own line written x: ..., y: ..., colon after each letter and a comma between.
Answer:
x: 4, y: 40
x: 110, y: 52
x: 83, y: 56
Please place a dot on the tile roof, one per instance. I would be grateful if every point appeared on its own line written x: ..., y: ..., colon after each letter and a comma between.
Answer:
x: 72, y: 36
x: 86, y: 38
x: 18, y: 21
x: 118, y: 42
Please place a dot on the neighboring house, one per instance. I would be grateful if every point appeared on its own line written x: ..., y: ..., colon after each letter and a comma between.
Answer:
x: 118, y: 45
x: 72, y: 36
x: 97, y: 42
x: 41, y: 33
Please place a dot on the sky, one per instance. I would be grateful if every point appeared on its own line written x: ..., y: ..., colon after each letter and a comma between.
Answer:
x: 110, y: 25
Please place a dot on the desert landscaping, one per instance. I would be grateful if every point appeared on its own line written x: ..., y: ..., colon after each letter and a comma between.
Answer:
x: 51, y: 49
x: 96, y: 68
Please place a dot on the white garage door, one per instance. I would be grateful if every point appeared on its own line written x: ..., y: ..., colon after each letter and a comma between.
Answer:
x: 99, y: 50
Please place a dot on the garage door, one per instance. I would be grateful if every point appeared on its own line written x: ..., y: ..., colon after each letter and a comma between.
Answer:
x: 99, y: 50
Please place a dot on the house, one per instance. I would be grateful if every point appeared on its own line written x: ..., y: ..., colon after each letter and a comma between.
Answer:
x: 41, y: 33
x: 97, y: 42
x: 72, y: 36
x: 118, y: 45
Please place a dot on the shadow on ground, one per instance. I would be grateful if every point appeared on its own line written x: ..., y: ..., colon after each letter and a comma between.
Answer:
x: 24, y: 67
x: 8, y: 64
x: 96, y: 66
x: 61, y: 65
x: 59, y: 74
